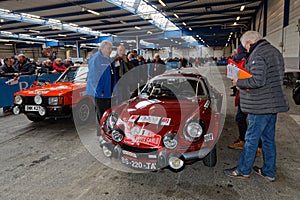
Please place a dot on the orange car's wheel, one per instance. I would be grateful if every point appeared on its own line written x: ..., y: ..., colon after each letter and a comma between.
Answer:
x: 82, y: 113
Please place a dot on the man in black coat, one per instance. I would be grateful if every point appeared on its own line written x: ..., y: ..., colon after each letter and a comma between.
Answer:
x: 262, y: 96
x: 24, y: 66
x: 7, y: 70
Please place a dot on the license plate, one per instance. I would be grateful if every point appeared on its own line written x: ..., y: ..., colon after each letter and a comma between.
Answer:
x: 32, y: 108
x: 138, y: 164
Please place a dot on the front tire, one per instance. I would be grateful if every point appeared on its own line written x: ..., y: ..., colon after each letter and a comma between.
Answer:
x: 211, y: 159
x: 83, y: 112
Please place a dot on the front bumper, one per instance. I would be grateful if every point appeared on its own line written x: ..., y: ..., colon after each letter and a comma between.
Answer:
x: 50, y: 111
x: 149, y: 159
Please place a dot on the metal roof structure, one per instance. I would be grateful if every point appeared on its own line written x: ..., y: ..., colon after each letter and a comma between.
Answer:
x: 153, y: 23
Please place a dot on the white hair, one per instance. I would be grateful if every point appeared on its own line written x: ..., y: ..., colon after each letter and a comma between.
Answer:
x: 104, y: 43
x: 252, y: 36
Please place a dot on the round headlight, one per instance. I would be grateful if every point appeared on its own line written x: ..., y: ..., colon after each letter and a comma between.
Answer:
x: 16, y: 110
x: 111, y: 120
x: 42, y: 111
x: 170, y: 141
x: 175, y: 162
x: 19, y: 99
x: 117, y: 135
x: 193, y: 131
x: 107, y: 151
x: 38, y: 99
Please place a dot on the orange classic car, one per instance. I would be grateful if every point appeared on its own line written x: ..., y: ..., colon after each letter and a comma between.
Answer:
x: 65, y: 97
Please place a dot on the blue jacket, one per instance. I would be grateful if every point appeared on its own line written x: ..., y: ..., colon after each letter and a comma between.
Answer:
x: 100, y: 81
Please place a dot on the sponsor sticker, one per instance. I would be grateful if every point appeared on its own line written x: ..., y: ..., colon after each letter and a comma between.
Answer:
x: 164, y: 121
x: 151, y: 141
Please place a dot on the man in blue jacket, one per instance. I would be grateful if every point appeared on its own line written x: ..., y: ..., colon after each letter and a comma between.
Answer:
x: 100, y: 81
x: 262, y: 96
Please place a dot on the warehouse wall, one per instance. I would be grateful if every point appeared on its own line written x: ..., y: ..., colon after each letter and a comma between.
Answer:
x: 286, y: 39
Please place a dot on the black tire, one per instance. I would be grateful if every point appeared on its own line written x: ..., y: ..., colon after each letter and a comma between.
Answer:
x: 296, y: 95
x: 35, y: 117
x: 211, y: 159
x: 83, y: 112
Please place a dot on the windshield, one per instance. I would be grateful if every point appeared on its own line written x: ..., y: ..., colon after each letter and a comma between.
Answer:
x: 74, y: 74
x: 174, y: 87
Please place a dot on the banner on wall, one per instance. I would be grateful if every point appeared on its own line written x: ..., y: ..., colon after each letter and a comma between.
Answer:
x: 7, y: 90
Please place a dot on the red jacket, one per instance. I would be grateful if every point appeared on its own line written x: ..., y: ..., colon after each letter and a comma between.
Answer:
x: 59, y: 68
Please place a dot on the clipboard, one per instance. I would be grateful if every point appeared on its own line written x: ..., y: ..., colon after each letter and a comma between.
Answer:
x: 236, y: 70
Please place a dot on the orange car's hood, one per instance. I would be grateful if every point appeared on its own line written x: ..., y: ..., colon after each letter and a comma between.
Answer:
x: 54, y: 89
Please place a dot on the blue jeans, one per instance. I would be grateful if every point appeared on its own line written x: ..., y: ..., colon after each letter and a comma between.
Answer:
x: 259, y: 127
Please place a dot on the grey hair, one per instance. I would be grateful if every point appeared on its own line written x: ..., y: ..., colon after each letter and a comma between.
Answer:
x: 252, y: 36
x: 104, y: 43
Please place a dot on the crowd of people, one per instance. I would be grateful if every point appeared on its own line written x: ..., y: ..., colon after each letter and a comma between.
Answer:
x: 15, y: 66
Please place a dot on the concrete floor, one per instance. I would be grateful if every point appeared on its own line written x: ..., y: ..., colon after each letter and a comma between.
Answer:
x: 48, y: 160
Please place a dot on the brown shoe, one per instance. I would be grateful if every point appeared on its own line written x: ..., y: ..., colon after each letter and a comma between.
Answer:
x: 239, y: 144
x: 258, y: 152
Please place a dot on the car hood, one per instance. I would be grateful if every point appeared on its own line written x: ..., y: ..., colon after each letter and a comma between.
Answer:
x: 161, y: 112
x: 54, y: 89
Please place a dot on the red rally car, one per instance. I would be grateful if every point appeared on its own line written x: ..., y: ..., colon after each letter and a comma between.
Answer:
x: 64, y: 98
x: 173, y: 121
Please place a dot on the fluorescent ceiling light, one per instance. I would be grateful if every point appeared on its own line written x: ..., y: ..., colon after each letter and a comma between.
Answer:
x: 184, y: 23
x: 242, y: 8
x: 31, y: 16
x: 3, y: 40
x: 24, y: 35
x: 54, y: 20
x: 40, y: 37
x: 71, y: 24
x: 93, y: 12
x: 234, y: 23
x: 34, y: 31
x: 83, y: 38
x: 162, y: 3
x: 190, y: 28
x: 62, y: 35
x: 238, y: 18
x: 176, y: 15
x: 122, y: 22
x: 8, y: 44
x: 138, y: 28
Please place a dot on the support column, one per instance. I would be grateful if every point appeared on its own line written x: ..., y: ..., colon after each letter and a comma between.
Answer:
x: 137, y: 44
x: 77, y: 49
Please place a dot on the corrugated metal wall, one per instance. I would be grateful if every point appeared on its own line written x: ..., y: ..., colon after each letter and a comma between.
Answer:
x: 286, y: 39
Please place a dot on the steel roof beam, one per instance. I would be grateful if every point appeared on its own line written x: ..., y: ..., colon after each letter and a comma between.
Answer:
x: 56, y: 6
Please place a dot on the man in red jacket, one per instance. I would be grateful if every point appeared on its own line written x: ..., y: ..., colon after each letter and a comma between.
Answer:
x: 58, y: 65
